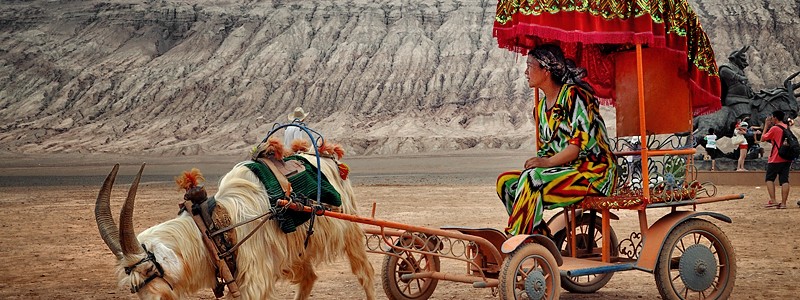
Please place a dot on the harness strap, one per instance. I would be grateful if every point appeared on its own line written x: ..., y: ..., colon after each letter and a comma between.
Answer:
x: 284, y: 182
x: 222, y: 268
x: 223, y: 230
x: 239, y: 243
x: 159, y: 271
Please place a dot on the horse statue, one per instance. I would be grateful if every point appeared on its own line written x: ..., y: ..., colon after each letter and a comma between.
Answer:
x: 739, y: 101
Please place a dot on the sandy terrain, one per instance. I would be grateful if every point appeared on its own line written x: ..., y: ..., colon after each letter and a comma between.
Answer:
x: 51, y: 249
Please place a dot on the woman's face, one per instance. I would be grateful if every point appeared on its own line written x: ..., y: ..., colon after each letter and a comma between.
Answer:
x: 536, y: 73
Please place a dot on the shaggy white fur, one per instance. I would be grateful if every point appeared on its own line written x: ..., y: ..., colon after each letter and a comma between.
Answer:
x: 268, y: 256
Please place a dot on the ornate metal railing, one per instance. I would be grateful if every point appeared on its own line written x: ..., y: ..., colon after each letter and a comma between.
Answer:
x: 631, y: 246
x: 671, y: 177
x: 399, y: 243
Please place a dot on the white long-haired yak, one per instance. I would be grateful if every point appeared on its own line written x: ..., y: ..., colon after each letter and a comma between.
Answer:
x: 170, y: 261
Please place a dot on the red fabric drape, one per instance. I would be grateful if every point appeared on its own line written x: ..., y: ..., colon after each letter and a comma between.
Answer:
x: 590, y: 39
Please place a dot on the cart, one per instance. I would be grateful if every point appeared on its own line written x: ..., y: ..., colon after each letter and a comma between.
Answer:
x: 653, y: 61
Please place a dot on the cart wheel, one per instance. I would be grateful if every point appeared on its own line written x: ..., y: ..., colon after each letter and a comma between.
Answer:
x: 409, y: 262
x: 696, y: 262
x: 530, y: 272
x: 588, y: 283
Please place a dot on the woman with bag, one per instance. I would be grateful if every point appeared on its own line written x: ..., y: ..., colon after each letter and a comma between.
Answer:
x: 740, y: 142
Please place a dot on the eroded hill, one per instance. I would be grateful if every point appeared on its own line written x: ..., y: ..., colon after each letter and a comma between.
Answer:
x: 200, y: 77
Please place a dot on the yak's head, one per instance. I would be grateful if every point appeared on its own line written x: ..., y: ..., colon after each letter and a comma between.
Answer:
x: 143, y: 270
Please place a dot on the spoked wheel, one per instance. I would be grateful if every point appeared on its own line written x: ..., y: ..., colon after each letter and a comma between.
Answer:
x: 409, y: 262
x: 530, y: 272
x: 585, y: 240
x: 696, y: 262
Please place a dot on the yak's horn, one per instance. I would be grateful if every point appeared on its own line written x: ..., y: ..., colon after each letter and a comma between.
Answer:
x: 102, y: 215
x: 128, y: 241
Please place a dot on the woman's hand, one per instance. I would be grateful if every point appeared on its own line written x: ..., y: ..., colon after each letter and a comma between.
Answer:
x: 537, y: 162
x: 565, y: 156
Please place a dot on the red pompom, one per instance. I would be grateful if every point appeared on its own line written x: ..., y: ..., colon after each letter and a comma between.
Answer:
x: 300, y: 145
x: 332, y: 150
x: 344, y: 170
x: 189, y: 179
x: 275, y: 148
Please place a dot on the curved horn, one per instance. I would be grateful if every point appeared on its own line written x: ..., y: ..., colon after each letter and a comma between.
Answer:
x: 788, y: 84
x: 128, y: 241
x: 734, y: 54
x: 102, y: 215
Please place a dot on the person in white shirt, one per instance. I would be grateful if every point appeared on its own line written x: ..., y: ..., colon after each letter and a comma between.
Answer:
x: 711, y: 147
x: 292, y: 133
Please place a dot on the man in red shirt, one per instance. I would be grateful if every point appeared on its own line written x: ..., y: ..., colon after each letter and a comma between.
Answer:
x: 776, y: 165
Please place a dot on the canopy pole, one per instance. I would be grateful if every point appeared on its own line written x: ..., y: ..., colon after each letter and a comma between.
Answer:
x: 535, y: 123
x: 535, y: 101
x: 642, y: 124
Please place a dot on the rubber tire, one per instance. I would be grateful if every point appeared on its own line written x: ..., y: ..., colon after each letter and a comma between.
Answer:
x: 600, y: 280
x: 511, y: 264
x: 725, y: 251
x: 391, y: 279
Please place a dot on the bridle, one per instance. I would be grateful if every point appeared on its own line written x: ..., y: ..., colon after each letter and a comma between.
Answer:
x: 159, y: 271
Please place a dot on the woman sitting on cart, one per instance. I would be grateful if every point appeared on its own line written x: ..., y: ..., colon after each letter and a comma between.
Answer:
x: 574, y: 158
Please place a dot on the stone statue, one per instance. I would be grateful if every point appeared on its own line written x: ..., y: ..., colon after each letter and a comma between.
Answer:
x: 739, y: 101
x: 736, y: 91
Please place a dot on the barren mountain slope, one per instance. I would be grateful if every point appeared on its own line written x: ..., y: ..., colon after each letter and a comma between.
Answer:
x: 211, y: 77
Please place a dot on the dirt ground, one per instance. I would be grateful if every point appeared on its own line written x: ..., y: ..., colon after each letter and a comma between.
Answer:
x: 51, y: 248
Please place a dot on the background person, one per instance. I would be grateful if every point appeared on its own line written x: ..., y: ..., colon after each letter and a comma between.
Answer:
x: 740, y: 142
x: 292, y: 133
x: 777, y: 166
x: 711, y: 147
x: 574, y: 158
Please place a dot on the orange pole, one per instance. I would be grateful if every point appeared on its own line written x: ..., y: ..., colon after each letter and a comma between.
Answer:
x: 642, y: 124
x: 642, y: 220
x: 719, y: 198
x: 572, y: 225
x: 535, y: 101
x: 484, y: 243
x: 643, y: 135
x: 488, y: 282
x: 535, y: 124
x: 659, y: 152
x: 606, y: 230
x: 699, y: 201
x: 690, y: 159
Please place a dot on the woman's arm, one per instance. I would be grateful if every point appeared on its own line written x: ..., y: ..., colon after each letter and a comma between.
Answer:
x: 567, y: 155
x: 579, y: 116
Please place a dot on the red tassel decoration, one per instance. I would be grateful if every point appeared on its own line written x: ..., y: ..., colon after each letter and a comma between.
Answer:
x: 189, y: 179
x: 344, y: 171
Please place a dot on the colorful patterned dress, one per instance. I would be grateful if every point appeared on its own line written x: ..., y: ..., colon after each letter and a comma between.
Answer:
x: 574, y: 119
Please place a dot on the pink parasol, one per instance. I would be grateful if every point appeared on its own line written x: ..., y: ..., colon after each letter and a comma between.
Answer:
x: 589, y: 30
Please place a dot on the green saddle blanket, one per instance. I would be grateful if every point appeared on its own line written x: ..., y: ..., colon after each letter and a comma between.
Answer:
x: 304, y: 185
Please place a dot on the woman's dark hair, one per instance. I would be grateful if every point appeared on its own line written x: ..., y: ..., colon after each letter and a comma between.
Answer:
x: 562, y: 70
x: 711, y: 131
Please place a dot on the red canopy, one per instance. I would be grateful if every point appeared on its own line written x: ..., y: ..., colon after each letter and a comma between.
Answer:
x: 588, y: 30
